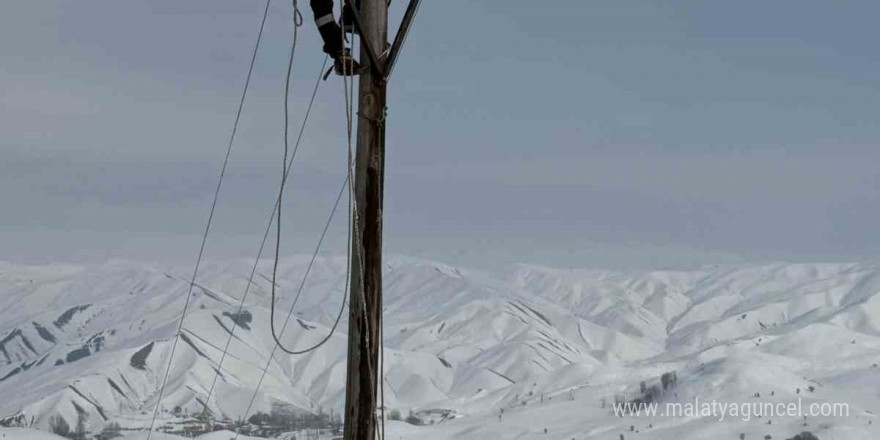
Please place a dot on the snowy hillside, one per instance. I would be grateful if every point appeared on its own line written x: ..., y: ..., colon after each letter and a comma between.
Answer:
x: 547, y: 346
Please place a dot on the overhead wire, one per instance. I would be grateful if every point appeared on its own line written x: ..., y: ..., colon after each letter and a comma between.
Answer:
x: 278, y: 206
x: 275, y: 336
x: 297, y: 20
x: 279, y: 210
x: 284, y: 327
x: 346, y: 185
x: 210, y: 216
x: 353, y: 227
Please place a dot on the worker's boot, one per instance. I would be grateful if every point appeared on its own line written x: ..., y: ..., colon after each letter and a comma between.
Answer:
x: 346, y: 65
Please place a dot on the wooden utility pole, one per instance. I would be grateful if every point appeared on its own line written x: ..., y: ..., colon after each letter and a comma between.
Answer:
x: 365, y: 309
x: 364, y: 378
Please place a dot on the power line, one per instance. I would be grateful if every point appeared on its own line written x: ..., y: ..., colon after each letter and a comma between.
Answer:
x: 345, y: 185
x: 211, y: 214
x: 280, y: 209
x: 352, y: 229
x: 278, y: 224
x: 268, y: 228
x: 275, y: 336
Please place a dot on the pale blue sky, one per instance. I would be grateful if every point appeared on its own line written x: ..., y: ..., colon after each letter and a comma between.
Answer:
x: 616, y: 133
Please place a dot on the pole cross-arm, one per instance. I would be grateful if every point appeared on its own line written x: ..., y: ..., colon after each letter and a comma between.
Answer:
x: 408, y: 17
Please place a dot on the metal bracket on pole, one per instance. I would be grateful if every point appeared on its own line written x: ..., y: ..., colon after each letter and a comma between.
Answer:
x: 371, y: 54
x: 408, y: 17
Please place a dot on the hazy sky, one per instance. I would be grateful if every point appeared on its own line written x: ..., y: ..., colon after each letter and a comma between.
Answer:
x: 574, y: 133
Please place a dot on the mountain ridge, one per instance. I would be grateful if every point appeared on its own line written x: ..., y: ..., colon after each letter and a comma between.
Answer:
x: 467, y: 341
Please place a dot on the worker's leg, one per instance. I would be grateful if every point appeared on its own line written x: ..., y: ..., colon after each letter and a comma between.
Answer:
x: 348, y: 17
x: 329, y: 30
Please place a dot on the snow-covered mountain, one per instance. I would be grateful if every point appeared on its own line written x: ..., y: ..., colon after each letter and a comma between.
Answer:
x: 548, y: 346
